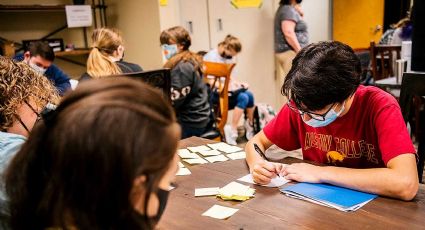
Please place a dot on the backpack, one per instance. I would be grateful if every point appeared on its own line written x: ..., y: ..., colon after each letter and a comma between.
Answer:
x: 263, y: 114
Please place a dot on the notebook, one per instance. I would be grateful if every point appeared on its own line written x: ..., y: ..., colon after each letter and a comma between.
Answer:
x: 343, y: 199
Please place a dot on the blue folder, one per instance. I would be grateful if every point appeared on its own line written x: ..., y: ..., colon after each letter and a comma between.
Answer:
x: 333, y: 196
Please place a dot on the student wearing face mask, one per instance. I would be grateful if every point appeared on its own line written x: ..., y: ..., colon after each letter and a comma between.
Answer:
x: 104, y: 159
x: 106, y: 56
x: 40, y: 57
x: 189, y: 93
x: 240, y: 99
x: 25, y: 93
x: 356, y: 132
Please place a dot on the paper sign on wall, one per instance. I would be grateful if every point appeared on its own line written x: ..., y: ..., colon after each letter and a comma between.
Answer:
x: 78, y: 15
x: 238, y: 4
x: 163, y: 2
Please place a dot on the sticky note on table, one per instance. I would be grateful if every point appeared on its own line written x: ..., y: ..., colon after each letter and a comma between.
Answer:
x: 236, y: 191
x: 183, y: 172
x: 181, y: 165
x: 275, y: 182
x: 218, y: 146
x: 220, y: 212
x: 218, y: 158
x: 195, y: 161
x: 185, y: 154
x: 207, y: 191
x: 211, y: 152
x: 237, y: 155
x: 199, y: 148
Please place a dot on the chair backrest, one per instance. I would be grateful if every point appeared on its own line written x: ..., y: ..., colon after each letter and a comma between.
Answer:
x: 217, y: 76
x: 159, y: 78
x: 381, y: 59
x: 413, y: 85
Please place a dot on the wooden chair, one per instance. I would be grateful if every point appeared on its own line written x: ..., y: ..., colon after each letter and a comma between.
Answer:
x: 381, y: 58
x: 412, y: 89
x: 217, y: 76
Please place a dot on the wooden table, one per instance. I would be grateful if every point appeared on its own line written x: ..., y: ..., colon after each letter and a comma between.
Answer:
x: 270, y: 209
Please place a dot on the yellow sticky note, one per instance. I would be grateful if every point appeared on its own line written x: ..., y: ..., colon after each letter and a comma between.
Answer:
x: 163, y: 2
x: 238, y: 4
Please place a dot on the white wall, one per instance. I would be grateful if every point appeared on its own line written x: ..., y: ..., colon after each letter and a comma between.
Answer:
x: 169, y: 14
x: 318, y: 19
x: 139, y: 22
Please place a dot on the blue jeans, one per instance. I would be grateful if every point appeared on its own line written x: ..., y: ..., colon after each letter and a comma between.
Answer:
x: 241, y: 99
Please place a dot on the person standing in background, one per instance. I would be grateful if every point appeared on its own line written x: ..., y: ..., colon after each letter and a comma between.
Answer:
x: 240, y: 99
x: 291, y: 35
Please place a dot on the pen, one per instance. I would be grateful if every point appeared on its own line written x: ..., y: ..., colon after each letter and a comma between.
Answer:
x: 258, y: 150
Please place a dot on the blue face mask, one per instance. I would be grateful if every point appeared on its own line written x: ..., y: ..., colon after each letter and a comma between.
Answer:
x: 330, y: 117
x: 169, y: 50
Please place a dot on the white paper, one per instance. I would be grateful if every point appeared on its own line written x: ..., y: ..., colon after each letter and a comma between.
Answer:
x: 185, y: 154
x: 207, y: 191
x: 237, y: 156
x: 235, y: 188
x: 218, y: 158
x: 220, y: 212
x: 78, y: 15
x: 275, y: 182
x: 183, y: 172
x: 212, y: 152
x: 198, y: 148
x: 195, y: 161
x: 219, y: 145
x: 181, y: 165
x: 224, y: 147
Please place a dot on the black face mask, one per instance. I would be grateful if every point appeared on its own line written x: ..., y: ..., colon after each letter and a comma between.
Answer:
x: 298, y: 1
x: 225, y: 56
x: 163, y: 198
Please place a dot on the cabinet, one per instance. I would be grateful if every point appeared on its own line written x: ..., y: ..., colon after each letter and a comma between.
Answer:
x: 214, y: 19
x: 99, y: 20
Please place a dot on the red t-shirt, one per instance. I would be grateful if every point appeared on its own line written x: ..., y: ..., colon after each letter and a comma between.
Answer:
x: 370, y: 134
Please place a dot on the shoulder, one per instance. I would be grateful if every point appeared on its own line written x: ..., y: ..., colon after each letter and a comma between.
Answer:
x: 127, y: 67
x: 9, y: 145
x: 373, y: 98
x: 212, y: 56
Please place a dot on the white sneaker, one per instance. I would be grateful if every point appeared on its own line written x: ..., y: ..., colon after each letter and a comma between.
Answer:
x: 230, y: 135
x: 249, y: 130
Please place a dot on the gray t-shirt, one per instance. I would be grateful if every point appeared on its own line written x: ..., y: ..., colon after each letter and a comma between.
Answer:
x: 287, y: 12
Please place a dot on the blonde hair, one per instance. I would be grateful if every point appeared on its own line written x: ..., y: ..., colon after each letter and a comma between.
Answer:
x: 19, y: 83
x: 105, y: 42
x: 180, y: 36
x: 231, y: 42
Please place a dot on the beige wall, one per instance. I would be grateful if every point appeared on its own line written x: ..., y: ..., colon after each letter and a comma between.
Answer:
x: 169, y: 14
x: 139, y: 22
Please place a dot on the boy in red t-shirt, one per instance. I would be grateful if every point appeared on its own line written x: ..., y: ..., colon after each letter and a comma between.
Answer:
x: 356, y: 132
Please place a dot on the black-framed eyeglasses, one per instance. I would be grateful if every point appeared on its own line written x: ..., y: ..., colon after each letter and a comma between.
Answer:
x: 35, y: 111
x: 315, y: 116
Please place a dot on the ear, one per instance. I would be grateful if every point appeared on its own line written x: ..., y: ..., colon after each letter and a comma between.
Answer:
x: 27, y: 55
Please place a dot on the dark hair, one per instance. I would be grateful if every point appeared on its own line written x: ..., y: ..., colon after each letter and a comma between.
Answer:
x: 322, y: 73
x: 180, y: 36
x: 43, y: 49
x: 285, y: 2
x: 177, y: 34
x: 78, y: 166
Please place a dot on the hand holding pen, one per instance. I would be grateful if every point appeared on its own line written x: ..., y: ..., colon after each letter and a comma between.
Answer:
x: 259, y: 151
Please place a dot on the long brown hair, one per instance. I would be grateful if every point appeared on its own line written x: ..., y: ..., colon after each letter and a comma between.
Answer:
x: 79, y: 164
x: 105, y: 42
x: 180, y: 36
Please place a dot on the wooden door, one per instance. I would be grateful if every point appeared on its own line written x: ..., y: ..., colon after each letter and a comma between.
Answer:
x: 254, y: 27
x: 357, y: 22
x: 194, y: 17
